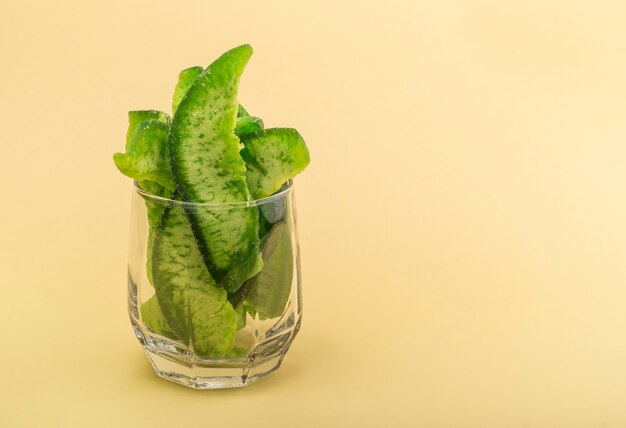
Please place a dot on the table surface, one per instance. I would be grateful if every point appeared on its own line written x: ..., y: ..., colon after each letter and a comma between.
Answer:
x: 462, y: 222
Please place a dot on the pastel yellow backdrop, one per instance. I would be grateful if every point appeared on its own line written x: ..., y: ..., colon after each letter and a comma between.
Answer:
x: 463, y: 221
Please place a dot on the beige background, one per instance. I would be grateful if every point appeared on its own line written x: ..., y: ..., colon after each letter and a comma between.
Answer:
x: 463, y: 221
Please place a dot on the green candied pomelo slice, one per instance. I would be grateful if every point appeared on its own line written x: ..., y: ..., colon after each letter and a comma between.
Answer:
x: 146, y: 161
x: 245, y: 122
x: 146, y: 156
x: 237, y: 299
x: 137, y: 117
x: 207, y: 168
x: 270, y: 291
x: 153, y: 318
x: 185, y: 80
x: 194, y: 307
x: 264, y: 145
x: 273, y: 156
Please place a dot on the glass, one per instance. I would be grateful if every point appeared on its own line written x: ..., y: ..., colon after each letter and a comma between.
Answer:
x: 193, y: 331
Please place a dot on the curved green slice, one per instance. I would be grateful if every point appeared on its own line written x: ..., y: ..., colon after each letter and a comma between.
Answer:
x: 153, y: 318
x: 245, y: 122
x: 270, y: 292
x: 238, y: 297
x: 137, y: 117
x: 273, y: 156
x: 146, y: 155
x: 195, y: 308
x: 147, y: 162
x: 207, y: 168
x: 185, y: 80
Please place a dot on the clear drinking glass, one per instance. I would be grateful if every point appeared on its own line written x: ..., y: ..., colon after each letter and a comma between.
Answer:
x: 183, y: 317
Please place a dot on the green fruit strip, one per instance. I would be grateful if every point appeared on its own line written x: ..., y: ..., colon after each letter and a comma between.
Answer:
x: 270, y: 292
x: 185, y: 80
x: 207, y: 168
x: 273, y: 156
x: 146, y: 155
x: 194, y: 306
x: 147, y: 162
x: 238, y: 297
x: 137, y: 117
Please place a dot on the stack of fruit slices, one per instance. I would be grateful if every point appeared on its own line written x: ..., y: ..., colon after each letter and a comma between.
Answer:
x: 209, y: 267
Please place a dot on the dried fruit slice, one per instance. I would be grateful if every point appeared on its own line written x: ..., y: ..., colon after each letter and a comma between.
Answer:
x: 146, y: 155
x: 270, y: 292
x: 185, y: 80
x: 194, y: 306
x: 207, y: 168
x: 273, y: 156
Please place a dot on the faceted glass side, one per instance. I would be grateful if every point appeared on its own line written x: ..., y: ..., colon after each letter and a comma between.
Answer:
x: 268, y: 305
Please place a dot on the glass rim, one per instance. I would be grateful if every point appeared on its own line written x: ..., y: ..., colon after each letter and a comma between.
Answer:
x: 282, y: 192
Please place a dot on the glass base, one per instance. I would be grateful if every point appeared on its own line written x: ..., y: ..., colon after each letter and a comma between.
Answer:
x: 173, y: 361
x: 215, y: 375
